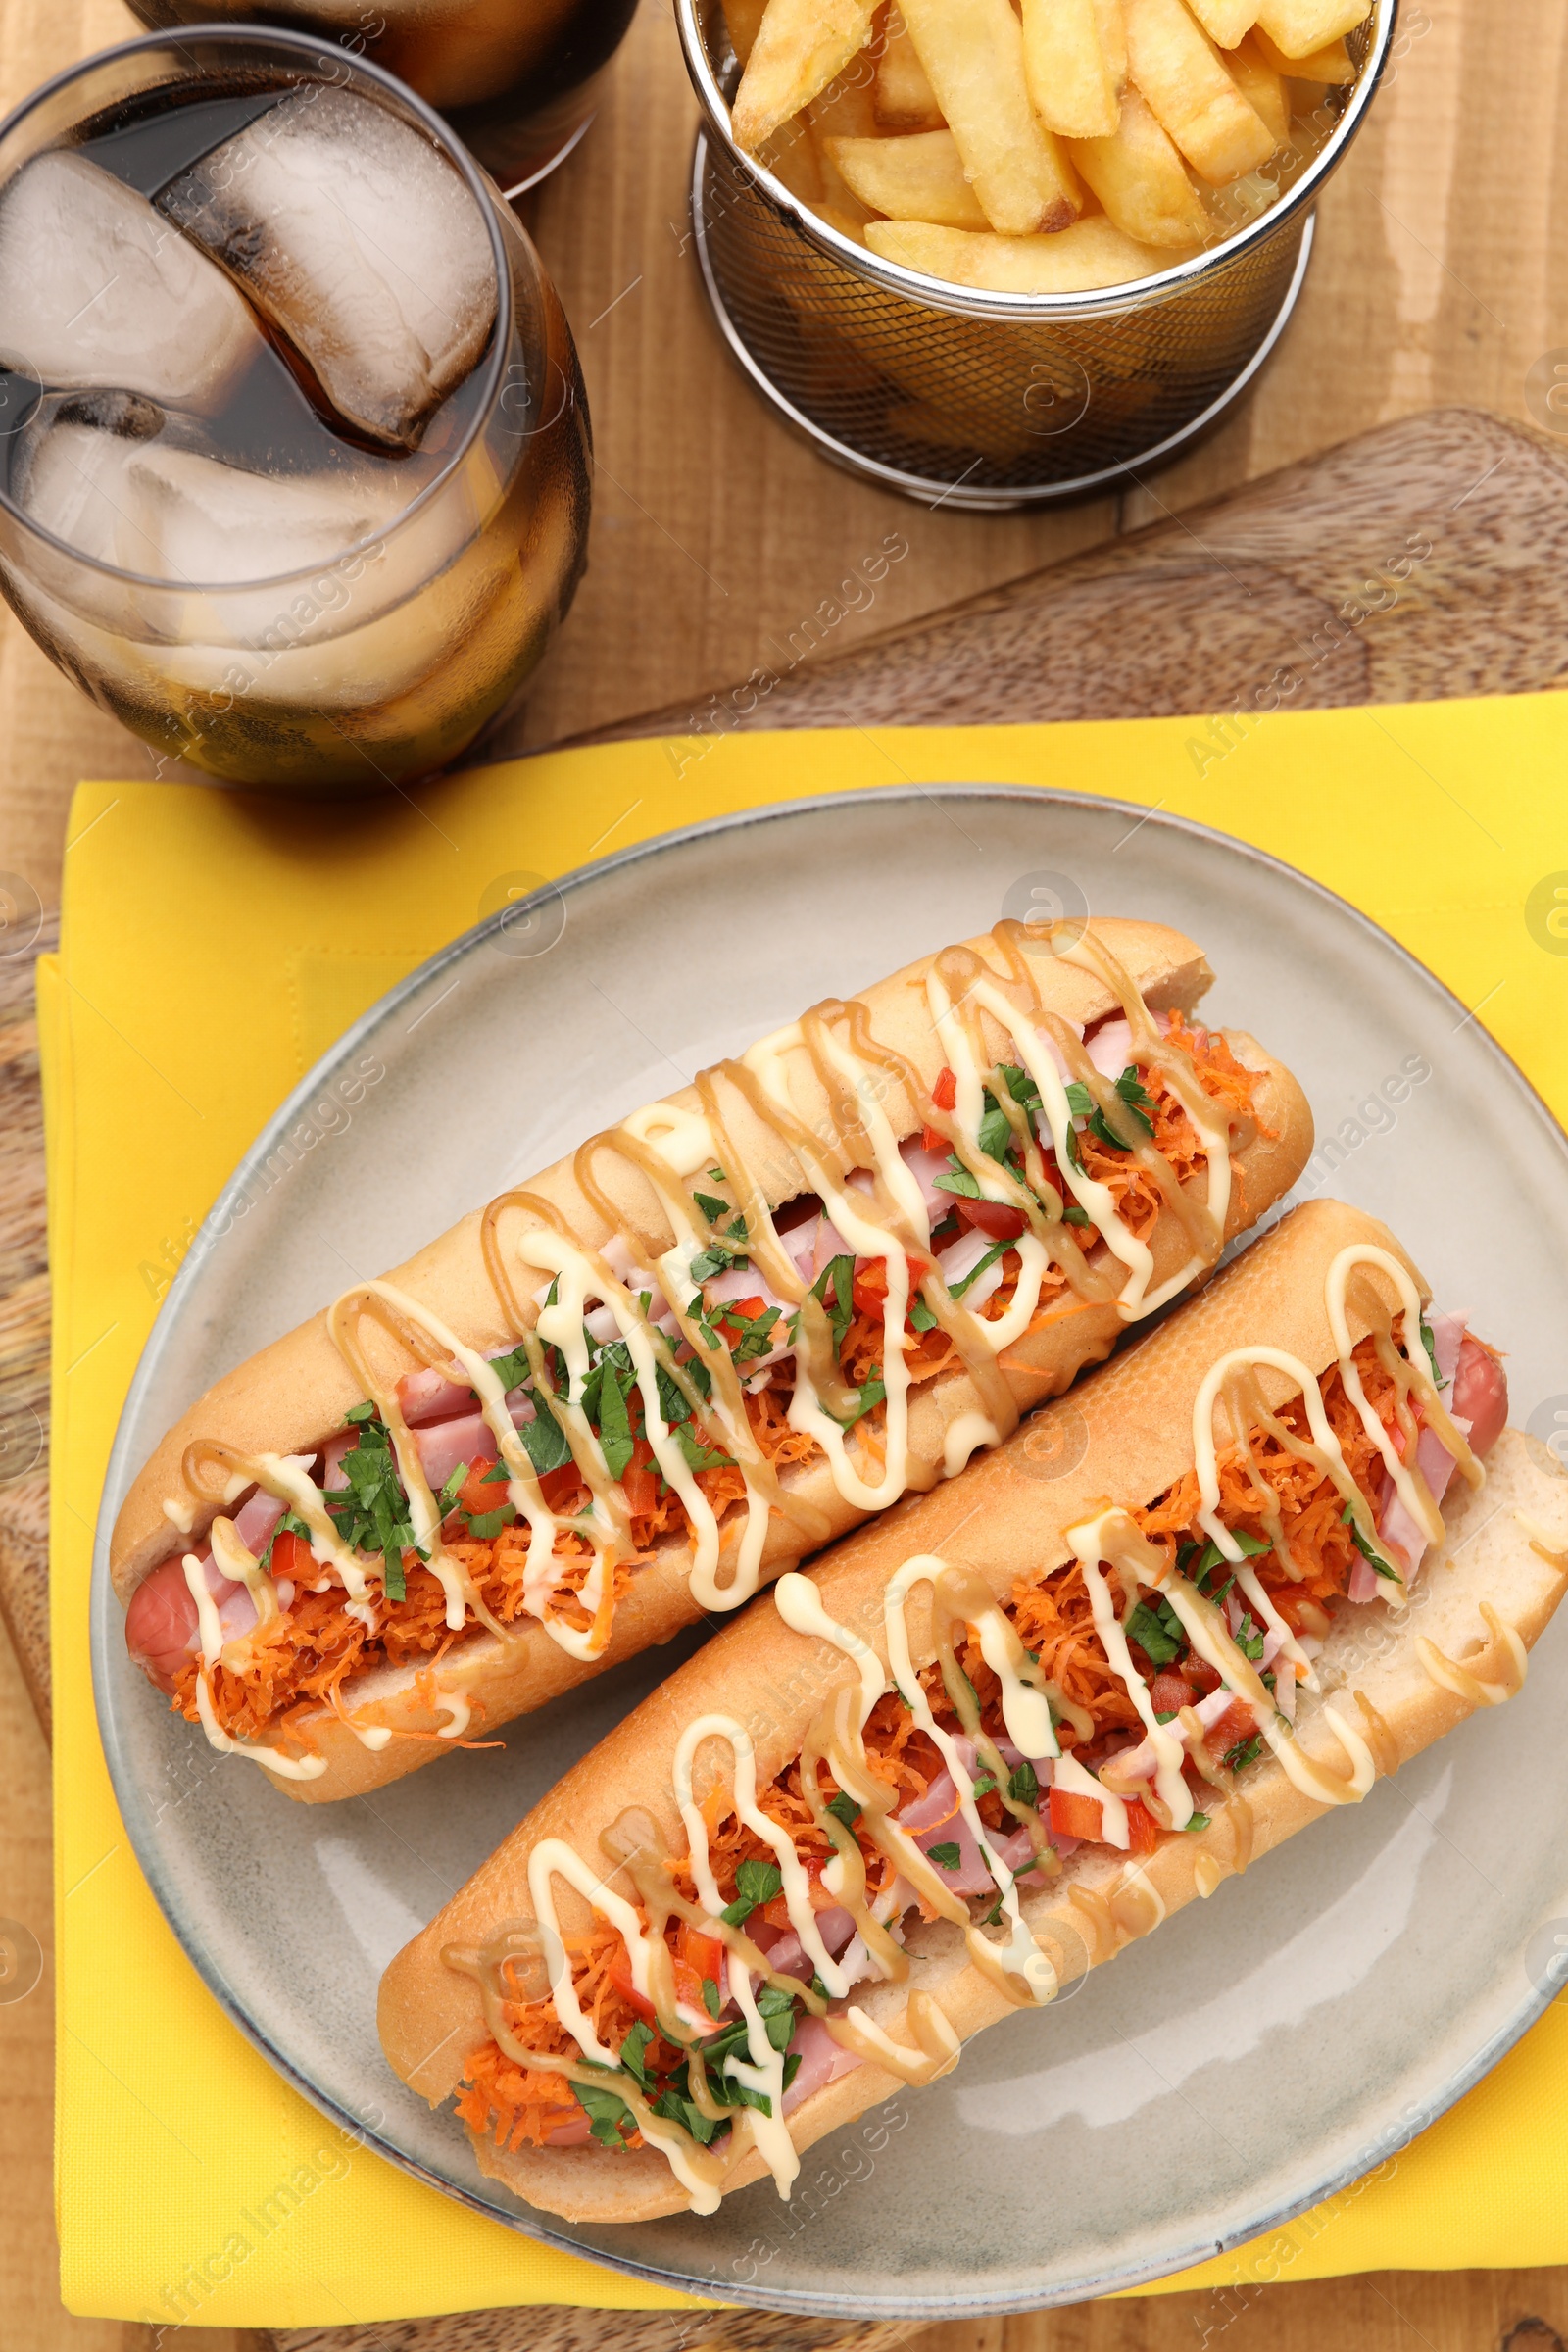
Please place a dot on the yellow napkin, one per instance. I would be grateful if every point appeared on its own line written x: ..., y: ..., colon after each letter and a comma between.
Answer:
x: 213, y: 946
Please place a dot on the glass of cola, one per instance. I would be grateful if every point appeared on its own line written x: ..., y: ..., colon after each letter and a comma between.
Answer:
x: 293, y: 441
x: 518, y: 80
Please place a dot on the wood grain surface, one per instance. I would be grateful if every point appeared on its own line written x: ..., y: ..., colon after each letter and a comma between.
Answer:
x: 721, y: 547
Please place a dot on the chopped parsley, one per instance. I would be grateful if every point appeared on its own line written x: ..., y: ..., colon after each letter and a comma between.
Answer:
x: 711, y: 1999
x: 1249, y: 1637
x: 1429, y: 1345
x: 983, y: 1785
x: 946, y: 1857
x: 956, y: 1289
x: 1157, y: 1629
x: 756, y: 1884
x: 1373, y: 1558
x: 372, y: 1510
x: 1024, y: 1786
x: 1244, y: 1752
x: 610, y: 2118
x: 1199, y: 1821
x: 1130, y: 1089
x: 843, y: 1807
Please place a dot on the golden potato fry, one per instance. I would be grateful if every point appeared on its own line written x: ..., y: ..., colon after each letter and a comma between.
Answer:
x: 801, y: 45
x: 742, y: 18
x: 919, y: 177
x: 904, y: 99
x: 791, y: 155
x: 1298, y: 27
x: 848, y: 224
x: 1091, y: 253
x: 1112, y: 29
x: 1225, y: 20
x: 1069, y: 81
x: 1331, y: 64
x: 1141, y: 179
x: 972, y: 51
x: 1261, y: 87
x: 1185, y: 83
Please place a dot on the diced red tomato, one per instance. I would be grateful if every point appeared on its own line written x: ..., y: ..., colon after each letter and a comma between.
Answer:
x: 1073, y: 1815
x: 702, y: 1954
x: 932, y: 1141
x: 1143, y: 1830
x: 993, y: 1217
x: 1237, y: 1723
x: 741, y: 1311
x: 292, y: 1557
x: 945, y: 1093
x: 476, y: 1495
x: 622, y: 1978
x: 640, y: 1482
x: 558, y: 1486
x: 870, y: 1286
x: 1204, y: 1677
x: 1170, y: 1691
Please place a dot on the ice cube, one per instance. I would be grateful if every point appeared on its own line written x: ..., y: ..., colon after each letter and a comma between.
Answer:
x: 359, y: 240
x: 97, y: 289
x: 128, y: 496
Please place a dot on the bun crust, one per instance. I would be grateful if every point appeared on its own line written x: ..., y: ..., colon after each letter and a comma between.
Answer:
x: 292, y: 1395
x: 1133, y: 1423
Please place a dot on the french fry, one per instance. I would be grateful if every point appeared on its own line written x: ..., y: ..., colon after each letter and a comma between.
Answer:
x: 1333, y: 63
x: 844, y: 111
x: 1299, y: 26
x: 972, y: 52
x: 1141, y: 179
x: 1069, y: 81
x: 1091, y: 253
x: 792, y: 156
x: 919, y: 177
x: 1187, y: 87
x: 904, y: 97
x: 1261, y: 87
x: 801, y: 46
x: 1225, y: 20
x: 741, y: 19
x: 1112, y: 29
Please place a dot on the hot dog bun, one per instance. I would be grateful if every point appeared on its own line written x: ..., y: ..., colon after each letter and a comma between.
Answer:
x: 292, y: 1395
x: 1134, y: 1424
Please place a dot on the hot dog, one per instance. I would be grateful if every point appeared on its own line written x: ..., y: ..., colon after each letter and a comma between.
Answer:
x: 994, y: 1737
x: 720, y: 1336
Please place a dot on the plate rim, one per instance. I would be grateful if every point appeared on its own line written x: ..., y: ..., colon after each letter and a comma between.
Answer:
x: 530, y: 2222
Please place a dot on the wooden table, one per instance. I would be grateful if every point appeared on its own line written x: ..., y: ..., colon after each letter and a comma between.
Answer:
x: 715, y: 537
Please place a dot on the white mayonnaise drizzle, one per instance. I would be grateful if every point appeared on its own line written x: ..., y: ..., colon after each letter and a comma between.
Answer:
x: 1413, y: 1492
x: 1089, y: 1540
x: 965, y: 1435
x: 800, y: 1604
x: 796, y: 1885
x: 552, y: 1857
x: 1020, y: 1955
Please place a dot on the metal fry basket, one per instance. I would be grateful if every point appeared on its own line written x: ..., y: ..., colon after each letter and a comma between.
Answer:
x: 979, y: 400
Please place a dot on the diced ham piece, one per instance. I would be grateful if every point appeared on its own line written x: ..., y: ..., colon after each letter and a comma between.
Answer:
x: 1478, y: 1399
x: 429, y: 1395
x: 926, y: 1166
x: 935, y: 1820
x: 1109, y: 1047
x: 572, y: 2132
x: 449, y: 1442
x: 822, y: 2061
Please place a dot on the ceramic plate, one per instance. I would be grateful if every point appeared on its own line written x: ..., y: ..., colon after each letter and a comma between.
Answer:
x: 1263, y: 2047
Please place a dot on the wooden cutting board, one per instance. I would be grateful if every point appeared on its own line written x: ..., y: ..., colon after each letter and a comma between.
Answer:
x: 1424, y: 560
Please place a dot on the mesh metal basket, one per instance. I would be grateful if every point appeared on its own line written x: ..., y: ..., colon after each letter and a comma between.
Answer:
x: 982, y: 400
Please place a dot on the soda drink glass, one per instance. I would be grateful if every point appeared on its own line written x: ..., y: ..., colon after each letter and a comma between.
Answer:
x: 293, y: 442
x: 518, y: 80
